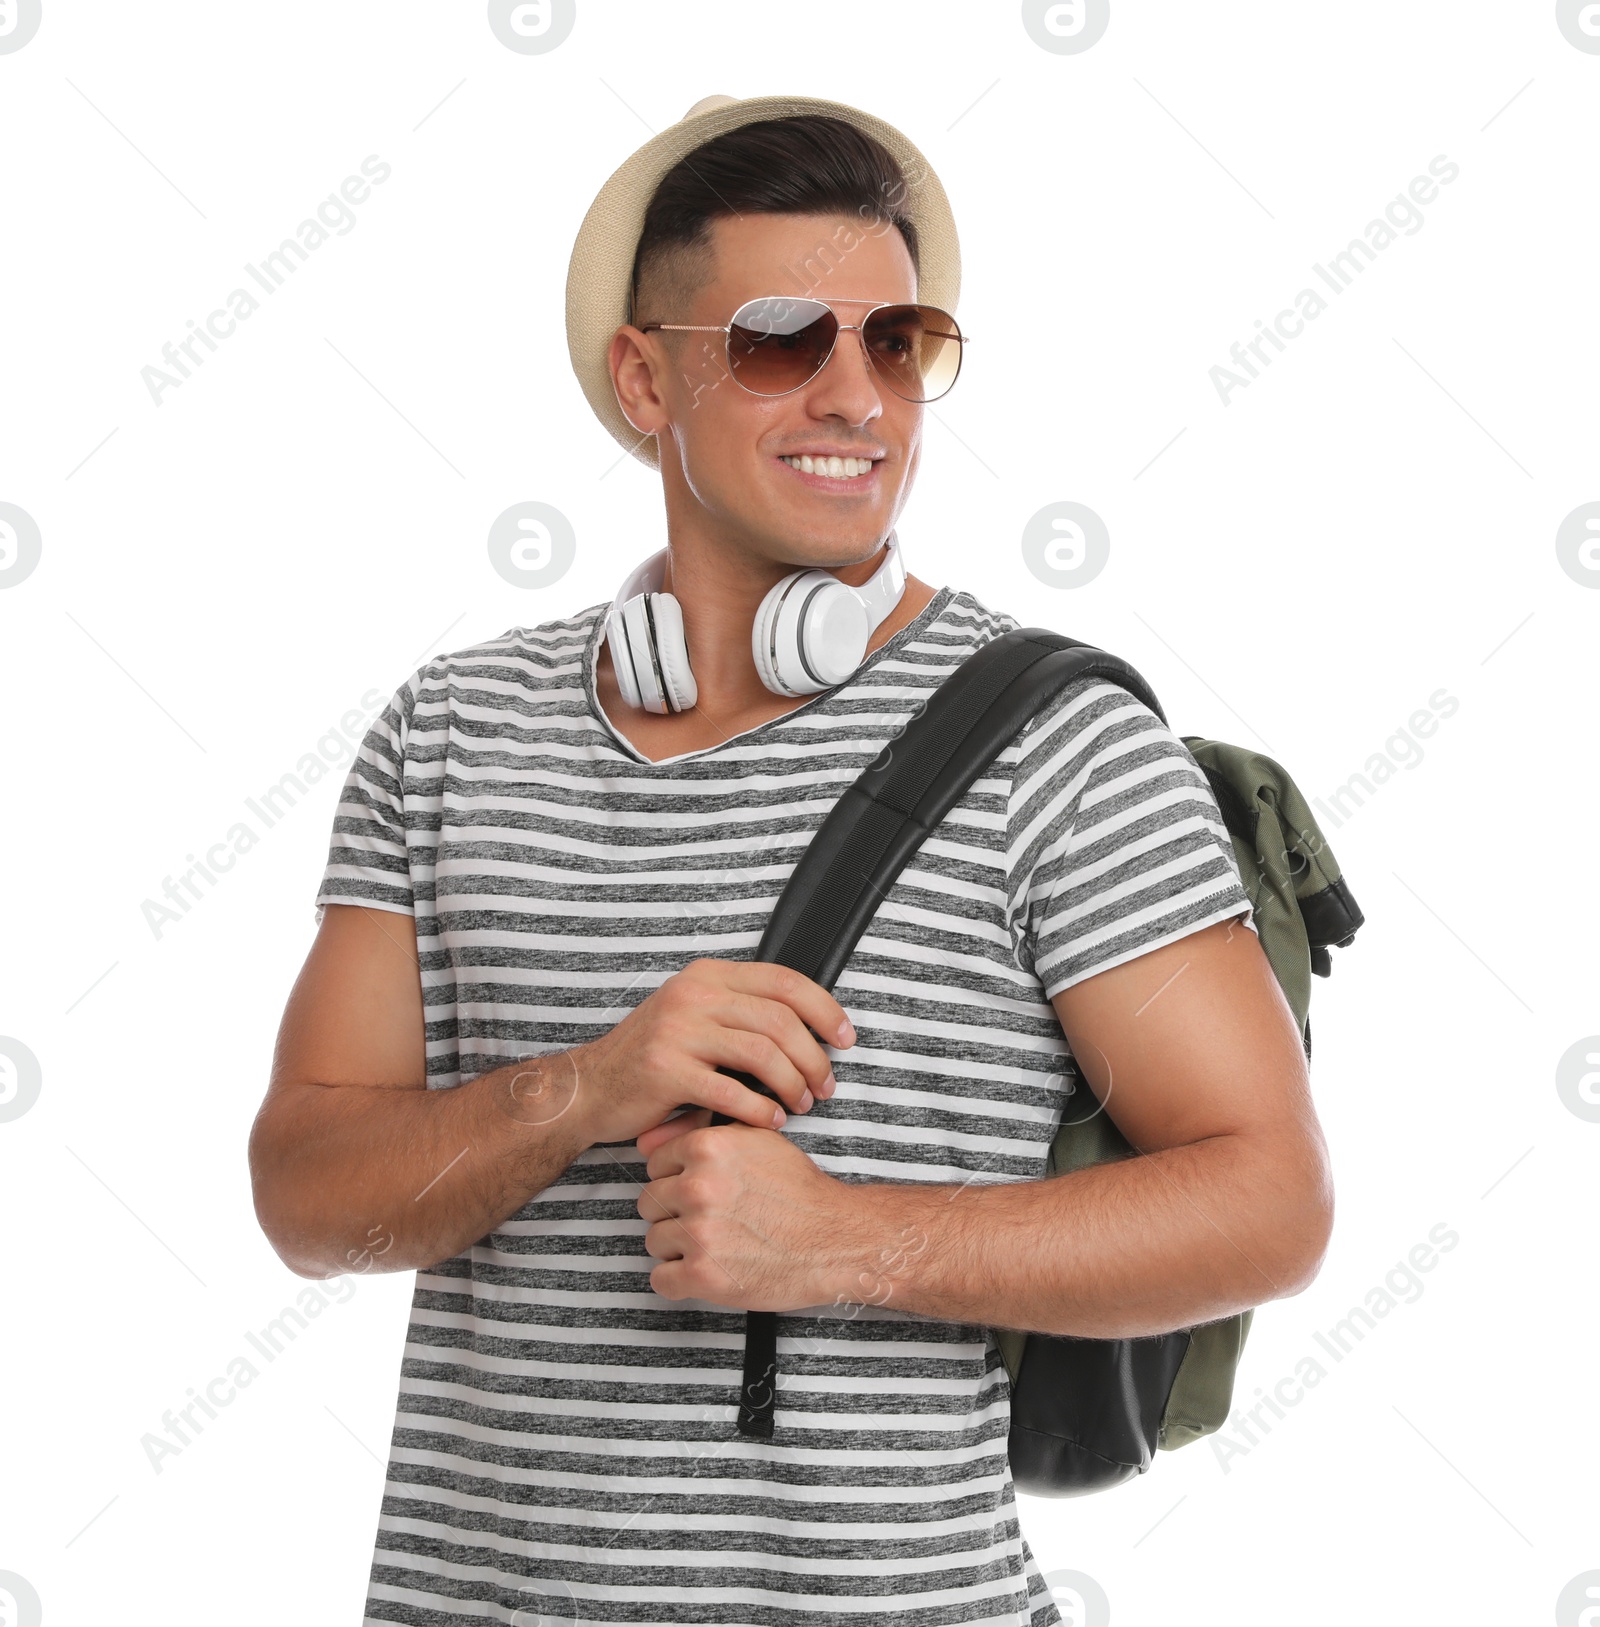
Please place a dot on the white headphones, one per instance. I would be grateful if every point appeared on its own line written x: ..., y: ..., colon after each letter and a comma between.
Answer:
x: 809, y: 634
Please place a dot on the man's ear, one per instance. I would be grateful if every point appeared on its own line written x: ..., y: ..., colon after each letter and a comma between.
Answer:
x: 632, y: 379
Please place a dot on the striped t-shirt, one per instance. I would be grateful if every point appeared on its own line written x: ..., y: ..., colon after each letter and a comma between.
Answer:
x: 565, y: 1444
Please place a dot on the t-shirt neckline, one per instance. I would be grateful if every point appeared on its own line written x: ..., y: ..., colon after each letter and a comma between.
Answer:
x: 924, y: 619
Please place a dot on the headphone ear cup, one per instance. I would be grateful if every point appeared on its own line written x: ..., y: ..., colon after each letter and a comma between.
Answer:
x: 835, y: 627
x: 672, y: 651
x: 761, y: 637
x: 631, y: 658
x: 810, y: 633
x: 645, y: 635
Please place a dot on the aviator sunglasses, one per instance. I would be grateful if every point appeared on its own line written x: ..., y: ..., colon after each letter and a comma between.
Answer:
x: 778, y: 343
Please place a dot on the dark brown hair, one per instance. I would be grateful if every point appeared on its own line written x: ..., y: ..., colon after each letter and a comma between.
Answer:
x: 806, y: 165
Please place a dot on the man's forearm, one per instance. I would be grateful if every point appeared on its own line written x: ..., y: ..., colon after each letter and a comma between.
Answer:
x: 1141, y: 1246
x: 359, y: 1178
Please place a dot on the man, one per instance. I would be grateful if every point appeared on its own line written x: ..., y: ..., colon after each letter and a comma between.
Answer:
x: 542, y: 901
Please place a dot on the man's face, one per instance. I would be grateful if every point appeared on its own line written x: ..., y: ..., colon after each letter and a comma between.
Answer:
x: 722, y: 448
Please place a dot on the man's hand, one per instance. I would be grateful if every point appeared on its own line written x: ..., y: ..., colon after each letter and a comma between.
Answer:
x: 752, y: 1016
x: 742, y: 1217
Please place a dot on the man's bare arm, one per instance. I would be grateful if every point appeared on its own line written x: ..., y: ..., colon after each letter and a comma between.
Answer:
x: 1194, y: 1053
x: 357, y: 1166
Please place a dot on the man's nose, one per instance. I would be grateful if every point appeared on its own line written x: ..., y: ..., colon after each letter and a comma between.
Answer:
x: 849, y: 374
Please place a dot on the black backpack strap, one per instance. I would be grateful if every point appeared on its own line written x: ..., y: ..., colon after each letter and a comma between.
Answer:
x: 871, y: 833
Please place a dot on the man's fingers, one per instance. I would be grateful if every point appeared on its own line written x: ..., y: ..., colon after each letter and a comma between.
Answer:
x: 795, y: 1044
x: 665, y: 1242
x: 671, y: 1129
x: 745, y: 1051
x: 658, y: 1201
x: 722, y: 1093
x: 807, y: 999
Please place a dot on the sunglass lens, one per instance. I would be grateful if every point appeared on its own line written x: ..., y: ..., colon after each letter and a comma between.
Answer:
x: 776, y: 344
x: 915, y: 348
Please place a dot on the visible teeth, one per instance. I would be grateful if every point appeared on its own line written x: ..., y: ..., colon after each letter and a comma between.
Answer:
x: 838, y: 468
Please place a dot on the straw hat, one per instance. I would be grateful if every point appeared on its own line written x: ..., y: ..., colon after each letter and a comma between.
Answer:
x: 602, y: 257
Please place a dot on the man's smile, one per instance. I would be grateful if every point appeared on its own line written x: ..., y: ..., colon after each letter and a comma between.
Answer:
x: 831, y: 474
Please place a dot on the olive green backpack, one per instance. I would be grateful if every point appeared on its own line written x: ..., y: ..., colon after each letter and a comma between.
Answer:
x: 1302, y: 907
x: 1086, y: 1414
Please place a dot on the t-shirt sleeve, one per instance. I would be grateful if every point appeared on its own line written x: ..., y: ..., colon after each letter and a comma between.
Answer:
x: 1115, y: 842
x: 368, y: 862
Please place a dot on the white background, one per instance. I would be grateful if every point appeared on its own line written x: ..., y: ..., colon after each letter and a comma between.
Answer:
x: 304, y: 521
